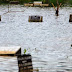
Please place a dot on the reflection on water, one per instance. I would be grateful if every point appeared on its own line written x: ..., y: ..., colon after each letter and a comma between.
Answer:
x: 8, y: 64
x: 48, y: 42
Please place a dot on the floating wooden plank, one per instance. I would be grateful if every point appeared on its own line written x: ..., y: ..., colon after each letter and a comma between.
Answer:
x: 14, y: 2
x: 35, y: 18
x: 70, y: 19
x: 10, y: 51
x: 0, y: 17
x: 25, y: 63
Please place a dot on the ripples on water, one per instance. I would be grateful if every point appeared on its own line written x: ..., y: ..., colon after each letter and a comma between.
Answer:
x: 48, y: 42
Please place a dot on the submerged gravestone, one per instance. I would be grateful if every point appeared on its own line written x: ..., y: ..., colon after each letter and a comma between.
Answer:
x: 35, y: 18
x: 70, y: 19
x: 0, y: 17
x: 10, y: 51
x: 25, y: 63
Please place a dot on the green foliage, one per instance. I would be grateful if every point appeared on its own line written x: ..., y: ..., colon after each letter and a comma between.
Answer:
x: 3, y: 2
x: 70, y: 1
x: 25, y: 1
x: 25, y: 51
x: 44, y: 1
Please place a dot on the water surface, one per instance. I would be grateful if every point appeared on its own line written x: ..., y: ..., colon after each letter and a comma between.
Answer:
x: 49, y: 42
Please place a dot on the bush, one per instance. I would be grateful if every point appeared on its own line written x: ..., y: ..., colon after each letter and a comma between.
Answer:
x: 3, y: 2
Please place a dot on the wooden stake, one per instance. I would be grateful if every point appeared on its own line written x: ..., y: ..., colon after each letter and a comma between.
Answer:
x: 0, y: 17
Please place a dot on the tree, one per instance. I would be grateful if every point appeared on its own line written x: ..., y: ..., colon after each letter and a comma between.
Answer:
x: 46, y: 1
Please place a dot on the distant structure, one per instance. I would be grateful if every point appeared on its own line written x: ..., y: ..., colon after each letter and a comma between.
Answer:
x: 37, y: 3
x: 57, y: 10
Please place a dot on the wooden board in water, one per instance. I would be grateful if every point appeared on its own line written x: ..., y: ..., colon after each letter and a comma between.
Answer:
x: 10, y: 51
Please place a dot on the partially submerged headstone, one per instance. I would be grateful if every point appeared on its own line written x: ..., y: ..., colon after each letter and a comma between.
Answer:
x: 14, y: 2
x: 10, y: 51
x: 25, y: 63
x: 0, y: 17
x: 35, y: 18
x: 70, y: 19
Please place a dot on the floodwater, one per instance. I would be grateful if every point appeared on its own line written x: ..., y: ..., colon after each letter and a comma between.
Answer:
x: 49, y: 42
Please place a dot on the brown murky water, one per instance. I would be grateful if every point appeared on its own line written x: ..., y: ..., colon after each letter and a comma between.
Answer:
x: 48, y: 42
